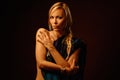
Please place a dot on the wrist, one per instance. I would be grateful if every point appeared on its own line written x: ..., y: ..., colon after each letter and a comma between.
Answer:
x: 50, y: 47
x: 62, y: 69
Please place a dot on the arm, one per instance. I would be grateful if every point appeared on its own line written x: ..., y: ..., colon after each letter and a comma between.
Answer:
x: 44, y: 38
x: 73, y: 60
x: 40, y: 53
x: 74, y: 56
x: 57, y: 57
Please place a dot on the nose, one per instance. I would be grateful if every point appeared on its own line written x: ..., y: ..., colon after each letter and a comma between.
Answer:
x: 55, y: 21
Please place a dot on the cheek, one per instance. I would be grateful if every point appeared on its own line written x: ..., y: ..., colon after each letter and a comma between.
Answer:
x: 62, y: 23
x: 50, y: 21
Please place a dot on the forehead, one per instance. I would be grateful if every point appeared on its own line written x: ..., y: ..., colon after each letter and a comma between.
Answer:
x: 57, y: 11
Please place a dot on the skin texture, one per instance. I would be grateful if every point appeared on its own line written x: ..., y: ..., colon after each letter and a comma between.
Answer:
x: 45, y: 39
x: 57, y: 19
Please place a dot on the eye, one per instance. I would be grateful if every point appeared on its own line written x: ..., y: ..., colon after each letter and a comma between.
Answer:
x: 51, y: 17
x: 60, y: 17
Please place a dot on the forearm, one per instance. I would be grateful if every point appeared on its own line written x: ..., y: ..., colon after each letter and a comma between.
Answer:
x: 49, y: 65
x: 74, y: 56
x: 57, y: 57
x: 45, y: 39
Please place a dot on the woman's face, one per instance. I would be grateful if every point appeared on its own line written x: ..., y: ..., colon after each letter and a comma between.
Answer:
x: 57, y: 19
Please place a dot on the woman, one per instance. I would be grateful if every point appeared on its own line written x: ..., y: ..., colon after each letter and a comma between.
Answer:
x: 58, y: 53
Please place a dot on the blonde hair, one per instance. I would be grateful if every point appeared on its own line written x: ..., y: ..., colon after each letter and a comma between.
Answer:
x: 68, y: 23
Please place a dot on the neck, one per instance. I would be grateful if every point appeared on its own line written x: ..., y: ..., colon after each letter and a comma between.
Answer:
x: 58, y: 33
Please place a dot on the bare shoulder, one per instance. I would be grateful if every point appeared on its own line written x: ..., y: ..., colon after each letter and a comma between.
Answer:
x: 42, y: 30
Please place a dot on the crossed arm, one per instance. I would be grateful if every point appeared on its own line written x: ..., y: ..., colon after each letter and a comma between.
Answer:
x: 43, y: 41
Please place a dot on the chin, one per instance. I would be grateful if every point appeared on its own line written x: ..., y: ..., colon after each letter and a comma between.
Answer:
x: 57, y: 29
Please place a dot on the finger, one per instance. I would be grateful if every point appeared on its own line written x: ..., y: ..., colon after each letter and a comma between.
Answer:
x: 76, y: 67
x: 41, y: 34
x: 39, y: 38
x: 73, y: 63
x: 46, y: 34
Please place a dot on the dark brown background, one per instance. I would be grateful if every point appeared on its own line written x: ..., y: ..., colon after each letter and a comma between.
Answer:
x: 96, y: 22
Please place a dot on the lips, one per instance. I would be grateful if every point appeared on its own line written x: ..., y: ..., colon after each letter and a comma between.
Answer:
x: 57, y: 28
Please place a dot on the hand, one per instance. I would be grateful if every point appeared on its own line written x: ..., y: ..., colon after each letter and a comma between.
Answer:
x: 72, y: 69
x: 44, y: 38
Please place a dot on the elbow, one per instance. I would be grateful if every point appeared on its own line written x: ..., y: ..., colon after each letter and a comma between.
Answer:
x: 68, y: 65
x: 41, y: 64
x: 65, y: 65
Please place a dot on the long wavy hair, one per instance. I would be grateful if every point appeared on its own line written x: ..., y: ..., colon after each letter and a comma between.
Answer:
x: 68, y: 23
